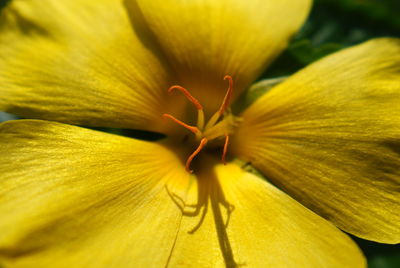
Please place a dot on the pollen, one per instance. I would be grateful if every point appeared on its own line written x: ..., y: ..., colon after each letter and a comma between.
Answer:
x: 218, y: 127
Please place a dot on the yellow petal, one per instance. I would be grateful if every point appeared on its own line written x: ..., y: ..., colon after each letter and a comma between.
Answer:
x: 72, y: 197
x: 207, y: 39
x: 330, y: 137
x: 250, y: 223
x: 81, y: 62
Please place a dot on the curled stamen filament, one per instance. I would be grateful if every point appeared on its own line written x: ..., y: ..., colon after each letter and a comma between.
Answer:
x: 188, y: 95
x: 224, y: 105
x: 196, y: 103
x: 213, y: 129
x: 203, y: 143
x: 228, y: 95
x: 193, y: 129
x: 225, y: 149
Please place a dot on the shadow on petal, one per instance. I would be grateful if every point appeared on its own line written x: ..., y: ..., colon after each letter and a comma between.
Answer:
x: 210, y: 200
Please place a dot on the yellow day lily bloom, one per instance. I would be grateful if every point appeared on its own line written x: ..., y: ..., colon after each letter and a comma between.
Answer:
x: 329, y: 137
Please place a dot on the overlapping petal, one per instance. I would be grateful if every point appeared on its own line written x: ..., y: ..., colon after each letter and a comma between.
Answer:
x: 330, y: 136
x: 72, y: 197
x: 81, y: 62
x: 244, y: 221
x: 207, y: 39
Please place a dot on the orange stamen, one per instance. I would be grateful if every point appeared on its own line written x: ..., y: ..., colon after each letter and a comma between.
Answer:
x: 188, y: 95
x: 225, y: 102
x: 191, y: 128
x: 203, y: 143
x: 225, y: 148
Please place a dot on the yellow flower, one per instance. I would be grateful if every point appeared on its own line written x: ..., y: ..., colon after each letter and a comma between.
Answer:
x: 329, y: 136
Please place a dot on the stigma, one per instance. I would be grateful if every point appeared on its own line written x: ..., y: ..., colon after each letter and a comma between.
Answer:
x: 219, y: 126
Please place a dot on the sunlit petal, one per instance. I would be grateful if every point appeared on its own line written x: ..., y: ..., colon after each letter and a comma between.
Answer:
x: 207, y: 39
x: 240, y: 220
x: 81, y: 62
x: 72, y: 197
x: 330, y: 136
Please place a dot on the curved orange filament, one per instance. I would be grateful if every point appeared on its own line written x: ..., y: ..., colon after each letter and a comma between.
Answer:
x: 200, y: 121
x: 203, y: 143
x: 225, y: 148
x: 228, y: 95
x: 188, y: 95
x: 191, y: 128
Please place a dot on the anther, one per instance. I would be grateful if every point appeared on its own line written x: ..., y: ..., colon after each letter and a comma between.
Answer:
x: 188, y: 95
x: 225, y: 148
x: 191, y: 128
x: 203, y: 143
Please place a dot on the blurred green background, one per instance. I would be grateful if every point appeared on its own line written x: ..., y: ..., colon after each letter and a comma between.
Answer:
x: 332, y: 25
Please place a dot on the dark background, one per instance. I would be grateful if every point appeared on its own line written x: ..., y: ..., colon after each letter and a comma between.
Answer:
x: 332, y: 25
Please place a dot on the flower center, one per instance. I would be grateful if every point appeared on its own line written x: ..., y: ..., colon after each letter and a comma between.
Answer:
x: 220, y: 125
